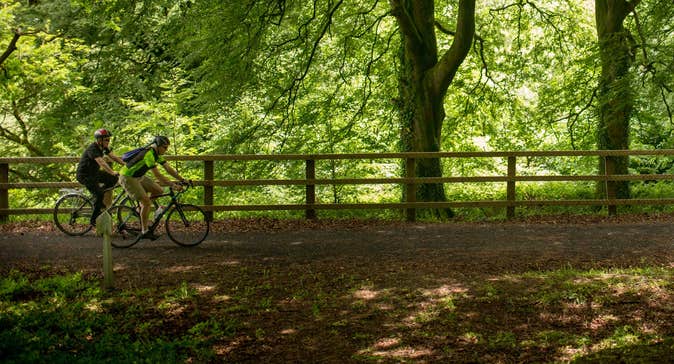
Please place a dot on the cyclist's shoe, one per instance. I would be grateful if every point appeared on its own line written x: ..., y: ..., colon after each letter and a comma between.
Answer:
x: 150, y: 235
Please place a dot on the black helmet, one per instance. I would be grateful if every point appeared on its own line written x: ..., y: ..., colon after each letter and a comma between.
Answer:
x: 102, y: 133
x: 160, y: 140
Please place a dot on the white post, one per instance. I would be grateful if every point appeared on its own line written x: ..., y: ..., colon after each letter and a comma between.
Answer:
x: 104, y: 228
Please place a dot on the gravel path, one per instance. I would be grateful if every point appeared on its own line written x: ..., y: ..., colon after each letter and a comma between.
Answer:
x: 456, y: 246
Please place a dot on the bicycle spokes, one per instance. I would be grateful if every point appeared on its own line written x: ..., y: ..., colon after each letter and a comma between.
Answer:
x: 127, y: 224
x: 186, y: 225
x: 72, y: 214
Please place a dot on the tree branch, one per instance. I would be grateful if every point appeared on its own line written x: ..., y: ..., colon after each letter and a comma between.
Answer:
x: 11, y: 47
x: 631, y: 5
x: 443, y: 73
x: 407, y: 26
x: 290, y: 92
x: 664, y: 100
x: 641, y: 36
x: 22, y: 137
x: 574, y: 116
x: 479, y: 41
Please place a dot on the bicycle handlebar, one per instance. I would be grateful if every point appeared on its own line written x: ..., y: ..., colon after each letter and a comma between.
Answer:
x: 186, y: 184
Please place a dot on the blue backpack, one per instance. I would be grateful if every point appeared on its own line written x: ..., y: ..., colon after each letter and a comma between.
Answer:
x: 134, y: 155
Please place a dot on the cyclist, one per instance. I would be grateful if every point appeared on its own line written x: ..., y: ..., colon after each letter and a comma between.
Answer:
x: 137, y: 185
x: 94, y: 172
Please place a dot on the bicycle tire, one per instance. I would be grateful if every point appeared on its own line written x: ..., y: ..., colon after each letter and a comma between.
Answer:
x: 72, y: 214
x: 126, y: 225
x: 190, y: 230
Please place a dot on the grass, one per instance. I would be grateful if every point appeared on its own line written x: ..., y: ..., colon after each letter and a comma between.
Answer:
x: 70, y: 319
x: 564, y: 315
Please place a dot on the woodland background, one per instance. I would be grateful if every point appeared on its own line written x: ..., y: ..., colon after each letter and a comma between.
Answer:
x: 341, y: 76
x: 336, y: 76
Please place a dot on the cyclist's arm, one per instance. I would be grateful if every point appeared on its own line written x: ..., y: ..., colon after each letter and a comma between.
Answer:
x: 173, y: 172
x: 116, y: 158
x: 106, y: 167
x: 161, y: 179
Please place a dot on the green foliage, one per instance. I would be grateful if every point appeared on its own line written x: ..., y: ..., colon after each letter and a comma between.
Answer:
x: 69, y: 318
x: 519, y: 88
x: 309, y: 77
x: 14, y: 285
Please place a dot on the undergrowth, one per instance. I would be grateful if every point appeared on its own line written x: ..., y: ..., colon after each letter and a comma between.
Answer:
x: 69, y: 318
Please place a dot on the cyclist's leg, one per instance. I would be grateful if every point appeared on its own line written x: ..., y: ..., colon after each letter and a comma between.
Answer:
x: 107, y: 198
x: 98, y: 192
x: 151, y: 187
x: 107, y: 183
x: 134, y: 188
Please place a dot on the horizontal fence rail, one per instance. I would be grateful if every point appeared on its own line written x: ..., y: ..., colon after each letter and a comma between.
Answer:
x: 409, y: 182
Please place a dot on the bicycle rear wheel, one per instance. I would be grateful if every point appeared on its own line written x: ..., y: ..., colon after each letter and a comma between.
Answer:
x: 126, y: 225
x: 72, y: 214
x: 186, y: 225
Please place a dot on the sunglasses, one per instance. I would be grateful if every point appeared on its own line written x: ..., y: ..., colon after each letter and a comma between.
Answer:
x: 106, y: 139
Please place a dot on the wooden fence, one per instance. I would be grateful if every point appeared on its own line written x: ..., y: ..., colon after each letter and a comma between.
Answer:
x: 410, y: 181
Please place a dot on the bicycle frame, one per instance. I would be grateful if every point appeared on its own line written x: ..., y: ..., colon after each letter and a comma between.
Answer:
x: 120, y: 197
x: 174, y: 203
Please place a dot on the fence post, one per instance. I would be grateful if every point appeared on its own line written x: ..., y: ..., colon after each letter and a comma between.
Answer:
x: 310, y: 173
x: 4, y: 192
x: 208, y: 188
x: 410, y: 188
x: 510, y: 189
x: 610, y: 186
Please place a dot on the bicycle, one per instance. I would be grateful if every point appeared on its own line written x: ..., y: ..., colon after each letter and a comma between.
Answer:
x: 73, y: 209
x: 185, y: 224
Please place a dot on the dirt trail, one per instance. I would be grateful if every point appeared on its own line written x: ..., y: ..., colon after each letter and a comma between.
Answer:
x: 493, y: 247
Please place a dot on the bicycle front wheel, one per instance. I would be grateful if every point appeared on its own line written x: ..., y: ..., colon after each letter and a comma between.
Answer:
x: 126, y: 226
x: 186, y: 225
x: 72, y: 214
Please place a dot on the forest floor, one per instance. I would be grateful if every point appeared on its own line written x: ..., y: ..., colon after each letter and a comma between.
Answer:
x: 546, y: 289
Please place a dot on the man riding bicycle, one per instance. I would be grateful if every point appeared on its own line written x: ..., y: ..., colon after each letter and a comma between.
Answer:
x: 94, y: 172
x: 137, y: 185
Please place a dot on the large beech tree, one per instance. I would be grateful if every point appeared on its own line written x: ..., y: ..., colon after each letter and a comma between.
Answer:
x: 424, y: 79
x: 297, y: 38
x: 616, y: 99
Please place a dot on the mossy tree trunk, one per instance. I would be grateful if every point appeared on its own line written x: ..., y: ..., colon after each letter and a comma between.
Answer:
x: 616, y: 98
x: 423, y: 83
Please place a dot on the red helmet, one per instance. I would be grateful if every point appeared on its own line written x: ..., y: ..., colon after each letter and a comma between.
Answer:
x: 102, y: 133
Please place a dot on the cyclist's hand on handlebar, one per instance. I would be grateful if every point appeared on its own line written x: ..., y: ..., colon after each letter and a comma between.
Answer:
x: 186, y: 182
x: 176, y: 186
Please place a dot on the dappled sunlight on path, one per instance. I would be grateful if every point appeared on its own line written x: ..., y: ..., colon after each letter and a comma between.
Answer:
x: 456, y: 292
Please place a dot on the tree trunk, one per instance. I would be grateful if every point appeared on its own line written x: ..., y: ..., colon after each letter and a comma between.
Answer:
x: 423, y: 83
x: 616, y: 99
